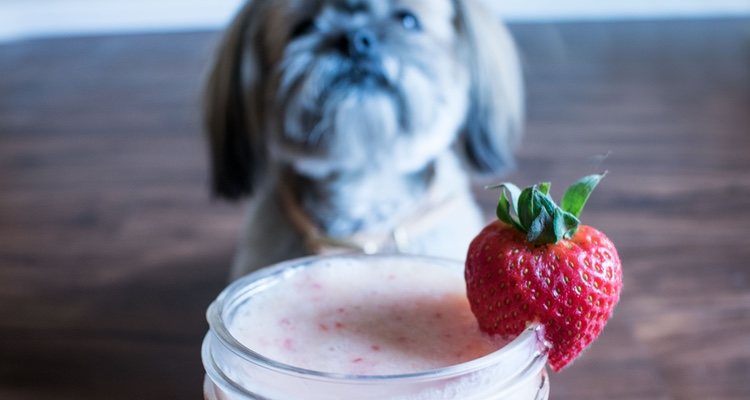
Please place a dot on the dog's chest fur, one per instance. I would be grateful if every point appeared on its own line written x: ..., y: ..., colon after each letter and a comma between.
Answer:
x: 367, y: 201
x: 441, y: 223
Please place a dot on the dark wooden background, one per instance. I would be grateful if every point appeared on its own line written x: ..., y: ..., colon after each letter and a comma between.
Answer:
x: 111, y: 249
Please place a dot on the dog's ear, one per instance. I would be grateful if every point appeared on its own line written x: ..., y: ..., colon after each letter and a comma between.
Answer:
x: 232, y: 105
x: 494, y: 121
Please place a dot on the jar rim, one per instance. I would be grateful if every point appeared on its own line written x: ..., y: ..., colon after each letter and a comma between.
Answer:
x: 235, y: 291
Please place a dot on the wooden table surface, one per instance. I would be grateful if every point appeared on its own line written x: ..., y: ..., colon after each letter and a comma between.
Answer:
x: 111, y: 249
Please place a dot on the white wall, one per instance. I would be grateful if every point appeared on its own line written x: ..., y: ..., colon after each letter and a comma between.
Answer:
x: 34, y: 18
x: 617, y: 9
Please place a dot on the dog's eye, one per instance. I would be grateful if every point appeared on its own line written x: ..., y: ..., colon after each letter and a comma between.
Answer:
x: 303, y: 28
x: 408, y: 20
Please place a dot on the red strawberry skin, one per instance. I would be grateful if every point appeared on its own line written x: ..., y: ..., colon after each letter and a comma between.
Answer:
x: 571, y: 286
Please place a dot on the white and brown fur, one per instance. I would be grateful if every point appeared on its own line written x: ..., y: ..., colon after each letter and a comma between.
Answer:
x: 359, y: 137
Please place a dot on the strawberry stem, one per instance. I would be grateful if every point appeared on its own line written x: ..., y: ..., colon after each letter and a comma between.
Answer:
x: 534, y: 212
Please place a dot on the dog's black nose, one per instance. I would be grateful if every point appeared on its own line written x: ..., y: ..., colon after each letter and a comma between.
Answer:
x: 358, y: 43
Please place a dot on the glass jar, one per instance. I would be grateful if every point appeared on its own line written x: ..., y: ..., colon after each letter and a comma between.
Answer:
x: 234, y: 372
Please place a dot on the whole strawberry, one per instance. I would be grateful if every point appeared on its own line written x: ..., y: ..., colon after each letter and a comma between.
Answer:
x: 538, y: 264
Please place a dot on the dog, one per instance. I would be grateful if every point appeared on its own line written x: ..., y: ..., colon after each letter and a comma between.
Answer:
x: 356, y: 125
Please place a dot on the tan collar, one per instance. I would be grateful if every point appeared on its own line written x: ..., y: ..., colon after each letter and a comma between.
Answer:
x: 423, y: 218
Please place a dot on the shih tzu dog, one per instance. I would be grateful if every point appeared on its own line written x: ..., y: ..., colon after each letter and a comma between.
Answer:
x: 354, y: 124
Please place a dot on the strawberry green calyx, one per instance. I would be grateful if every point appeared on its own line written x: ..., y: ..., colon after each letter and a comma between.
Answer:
x: 534, y: 212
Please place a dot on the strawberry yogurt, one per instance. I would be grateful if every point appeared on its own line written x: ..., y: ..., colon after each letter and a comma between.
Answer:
x: 362, y: 327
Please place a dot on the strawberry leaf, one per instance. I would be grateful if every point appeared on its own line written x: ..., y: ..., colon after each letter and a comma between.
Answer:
x: 527, y: 210
x: 544, y: 187
x: 577, y: 195
x: 539, y: 230
x: 507, y: 205
x: 566, y: 224
x: 542, y: 229
x: 550, y: 224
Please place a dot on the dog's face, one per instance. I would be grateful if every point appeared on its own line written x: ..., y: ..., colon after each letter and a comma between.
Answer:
x: 364, y: 84
x: 339, y: 86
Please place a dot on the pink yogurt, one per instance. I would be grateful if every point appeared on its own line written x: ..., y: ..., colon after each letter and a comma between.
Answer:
x: 395, y: 317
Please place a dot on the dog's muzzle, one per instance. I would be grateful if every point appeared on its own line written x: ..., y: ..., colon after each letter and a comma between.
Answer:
x: 357, y: 44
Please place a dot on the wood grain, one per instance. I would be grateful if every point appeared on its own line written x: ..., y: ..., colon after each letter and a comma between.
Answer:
x: 111, y: 249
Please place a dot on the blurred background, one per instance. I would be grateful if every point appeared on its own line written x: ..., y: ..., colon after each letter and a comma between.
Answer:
x: 21, y: 18
x: 111, y: 247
